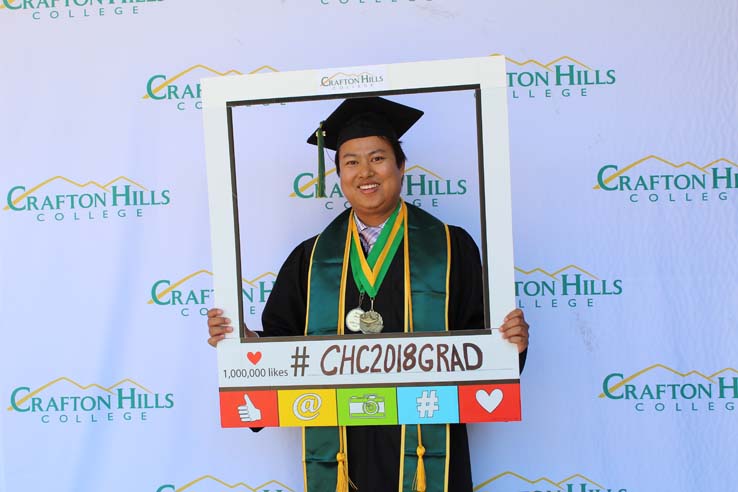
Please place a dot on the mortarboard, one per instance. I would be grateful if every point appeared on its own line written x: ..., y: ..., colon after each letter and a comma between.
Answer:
x: 360, y: 117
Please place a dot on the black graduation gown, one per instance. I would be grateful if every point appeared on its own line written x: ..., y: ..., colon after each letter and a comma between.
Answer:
x: 374, y: 451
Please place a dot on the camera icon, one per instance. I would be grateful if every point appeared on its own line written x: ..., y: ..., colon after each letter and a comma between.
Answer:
x: 366, y: 407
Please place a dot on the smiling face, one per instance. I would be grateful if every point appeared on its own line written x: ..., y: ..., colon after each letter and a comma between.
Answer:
x: 370, y: 178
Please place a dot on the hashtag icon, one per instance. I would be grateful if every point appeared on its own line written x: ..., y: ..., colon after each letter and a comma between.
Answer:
x: 300, y: 361
x: 427, y: 404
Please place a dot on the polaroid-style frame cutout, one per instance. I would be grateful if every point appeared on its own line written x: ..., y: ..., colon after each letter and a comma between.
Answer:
x: 486, y: 76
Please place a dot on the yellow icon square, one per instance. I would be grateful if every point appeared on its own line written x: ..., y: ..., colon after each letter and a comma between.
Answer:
x: 308, y: 407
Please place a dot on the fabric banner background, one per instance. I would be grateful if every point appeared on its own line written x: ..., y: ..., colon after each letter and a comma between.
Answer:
x: 623, y: 120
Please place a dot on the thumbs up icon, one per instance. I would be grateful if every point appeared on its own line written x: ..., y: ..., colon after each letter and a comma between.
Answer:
x: 248, y: 411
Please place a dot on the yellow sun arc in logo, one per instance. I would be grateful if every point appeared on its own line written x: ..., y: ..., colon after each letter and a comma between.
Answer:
x: 544, y: 66
x: 263, y: 68
x: 553, y: 275
x: 263, y: 486
x: 557, y: 485
x: 184, y: 279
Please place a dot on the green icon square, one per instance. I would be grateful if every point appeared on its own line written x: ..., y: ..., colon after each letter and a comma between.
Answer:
x: 367, y: 406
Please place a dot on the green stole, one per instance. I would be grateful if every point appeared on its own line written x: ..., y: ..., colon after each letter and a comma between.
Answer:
x: 427, y: 242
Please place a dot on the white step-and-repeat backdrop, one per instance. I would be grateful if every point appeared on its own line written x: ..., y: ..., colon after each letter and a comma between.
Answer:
x: 623, y: 123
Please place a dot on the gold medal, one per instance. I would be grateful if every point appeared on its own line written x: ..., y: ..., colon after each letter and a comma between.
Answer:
x: 371, y: 321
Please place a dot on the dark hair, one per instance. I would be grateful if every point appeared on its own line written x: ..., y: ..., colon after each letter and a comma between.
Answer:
x: 400, y: 156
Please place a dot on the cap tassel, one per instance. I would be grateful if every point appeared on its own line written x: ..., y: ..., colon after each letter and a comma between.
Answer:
x: 419, y: 483
x: 320, y: 134
x: 342, y: 480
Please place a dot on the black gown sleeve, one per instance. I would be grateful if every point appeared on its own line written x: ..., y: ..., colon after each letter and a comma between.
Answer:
x: 466, y: 301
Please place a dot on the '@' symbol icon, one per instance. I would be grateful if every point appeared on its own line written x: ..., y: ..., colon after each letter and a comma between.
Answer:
x: 307, y: 406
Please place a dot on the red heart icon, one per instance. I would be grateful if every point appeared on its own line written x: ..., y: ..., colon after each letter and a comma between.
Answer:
x: 254, y: 357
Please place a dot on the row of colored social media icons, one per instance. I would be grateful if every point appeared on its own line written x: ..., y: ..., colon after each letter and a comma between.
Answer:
x: 370, y: 406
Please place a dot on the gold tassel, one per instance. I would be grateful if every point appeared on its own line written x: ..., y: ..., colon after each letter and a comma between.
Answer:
x: 342, y: 481
x: 419, y: 484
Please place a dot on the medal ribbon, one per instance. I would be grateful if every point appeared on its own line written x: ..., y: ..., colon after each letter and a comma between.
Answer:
x: 369, y: 272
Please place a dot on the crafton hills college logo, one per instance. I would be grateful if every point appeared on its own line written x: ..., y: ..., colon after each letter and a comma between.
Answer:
x: 354, y: 81
x: 563, y: 77
x: 512, y: 482
x: 209, y: 483
x: 421, y: 186
x: 64, y: 401
x: 191, y: 294
x: 653, y: 179
x: 183, y: 88
x: 73, y: 10
x: 570, y: 286
x: 60, y: 199
x: 660, y: 388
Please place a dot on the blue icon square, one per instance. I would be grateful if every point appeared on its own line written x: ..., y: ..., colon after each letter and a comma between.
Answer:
x: 427, y: 405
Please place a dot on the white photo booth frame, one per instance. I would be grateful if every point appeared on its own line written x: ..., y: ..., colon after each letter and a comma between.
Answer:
x: 486, y: 76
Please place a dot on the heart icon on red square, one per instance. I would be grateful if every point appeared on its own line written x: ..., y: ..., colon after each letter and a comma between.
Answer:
x: 489, y: 402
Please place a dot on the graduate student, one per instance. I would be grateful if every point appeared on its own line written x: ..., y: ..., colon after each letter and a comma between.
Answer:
x: 430, y: 280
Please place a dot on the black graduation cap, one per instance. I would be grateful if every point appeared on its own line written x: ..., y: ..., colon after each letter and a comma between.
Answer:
x: 361, y: 117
